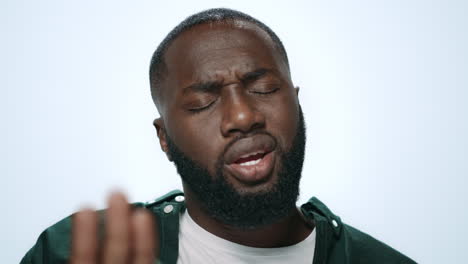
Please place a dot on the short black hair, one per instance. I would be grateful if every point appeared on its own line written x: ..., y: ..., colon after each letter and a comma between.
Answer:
x: 158, y: 67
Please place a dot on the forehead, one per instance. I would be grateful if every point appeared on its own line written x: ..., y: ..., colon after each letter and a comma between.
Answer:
x: 216, y: 50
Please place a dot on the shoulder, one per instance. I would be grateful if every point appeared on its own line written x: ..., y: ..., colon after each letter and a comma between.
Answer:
x: 363, y: 248
x: 338, y: 242
x: 53, y: 244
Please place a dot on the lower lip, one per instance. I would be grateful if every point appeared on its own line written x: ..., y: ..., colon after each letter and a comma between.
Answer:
x: 253, y: 173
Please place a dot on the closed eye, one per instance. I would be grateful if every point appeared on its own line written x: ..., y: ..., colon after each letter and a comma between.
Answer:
x: 202, y: 108
x: 265, y: 92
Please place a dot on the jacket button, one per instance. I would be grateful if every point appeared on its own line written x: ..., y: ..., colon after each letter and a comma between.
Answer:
x: 334, y: 223
x: 180, y: 198
x: 168, y: 208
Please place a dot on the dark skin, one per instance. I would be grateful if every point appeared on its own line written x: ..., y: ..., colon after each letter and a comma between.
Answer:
x: 224, y: 80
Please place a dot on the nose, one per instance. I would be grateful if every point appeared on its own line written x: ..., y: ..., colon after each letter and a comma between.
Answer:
x: 240, y: 114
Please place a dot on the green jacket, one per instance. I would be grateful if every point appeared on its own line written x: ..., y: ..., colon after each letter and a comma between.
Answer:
x: 335, y: 243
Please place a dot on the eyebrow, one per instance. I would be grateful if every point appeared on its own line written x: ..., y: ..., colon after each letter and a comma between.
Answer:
x: 255, y: 75
x: 207, y: 87
x: 213, y: 86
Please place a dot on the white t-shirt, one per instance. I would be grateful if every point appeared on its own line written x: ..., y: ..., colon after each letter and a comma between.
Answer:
x: 196, y: 245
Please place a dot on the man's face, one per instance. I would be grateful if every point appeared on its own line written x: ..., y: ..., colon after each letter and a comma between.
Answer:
x: 230, y: 109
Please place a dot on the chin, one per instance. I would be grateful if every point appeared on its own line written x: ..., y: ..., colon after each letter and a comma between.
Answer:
x: 266, y: 185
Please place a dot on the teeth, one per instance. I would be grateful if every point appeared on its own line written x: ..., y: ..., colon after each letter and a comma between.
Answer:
x: 250, y: 163
x: 252, y: 154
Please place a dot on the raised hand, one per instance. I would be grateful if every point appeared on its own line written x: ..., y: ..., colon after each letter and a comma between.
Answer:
x: 129, y: 235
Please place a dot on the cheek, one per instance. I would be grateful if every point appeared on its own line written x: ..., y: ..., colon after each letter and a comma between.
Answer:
x: 283, y: 119
x: 199, y: 140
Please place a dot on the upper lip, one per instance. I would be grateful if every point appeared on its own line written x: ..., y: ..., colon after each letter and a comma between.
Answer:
x: 249, y: 146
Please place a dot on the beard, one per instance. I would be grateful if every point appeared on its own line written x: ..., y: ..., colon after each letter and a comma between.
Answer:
x: 220, y: 199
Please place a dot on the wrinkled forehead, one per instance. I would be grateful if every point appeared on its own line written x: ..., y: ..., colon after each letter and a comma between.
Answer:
x: 207, y: 51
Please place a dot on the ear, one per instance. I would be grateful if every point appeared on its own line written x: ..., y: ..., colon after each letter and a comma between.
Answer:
x: 161, y: 132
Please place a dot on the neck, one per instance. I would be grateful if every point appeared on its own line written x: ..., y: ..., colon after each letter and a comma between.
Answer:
x: 288, y: 231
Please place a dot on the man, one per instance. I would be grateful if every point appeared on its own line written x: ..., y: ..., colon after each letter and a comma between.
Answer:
x: 232, y: 124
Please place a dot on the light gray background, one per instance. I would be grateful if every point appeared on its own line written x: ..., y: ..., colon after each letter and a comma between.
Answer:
x: 383, y: 89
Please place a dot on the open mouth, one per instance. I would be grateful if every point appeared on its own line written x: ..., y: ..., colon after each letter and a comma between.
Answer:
x: 250, y: 159
x: 252, y: 168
